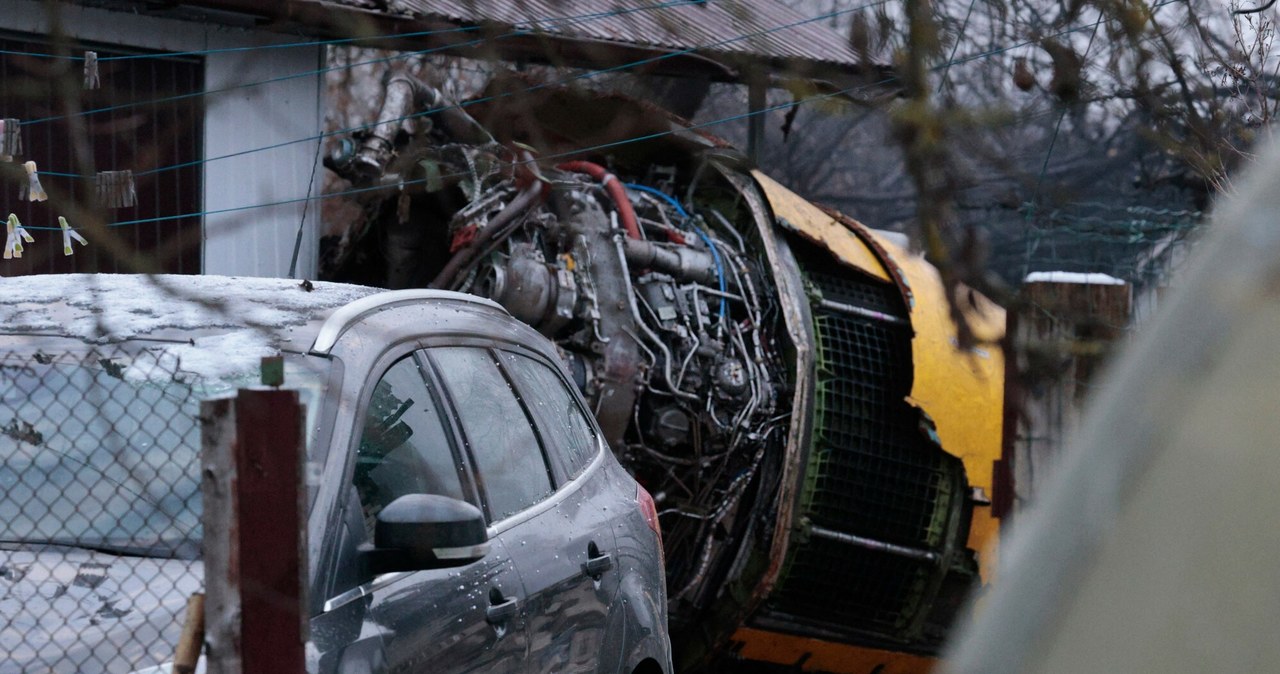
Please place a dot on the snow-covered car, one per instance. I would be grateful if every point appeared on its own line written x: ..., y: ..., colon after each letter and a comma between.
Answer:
x: 556, y: 561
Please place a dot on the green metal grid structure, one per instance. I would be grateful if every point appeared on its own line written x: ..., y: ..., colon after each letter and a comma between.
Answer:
x: 879, y: 538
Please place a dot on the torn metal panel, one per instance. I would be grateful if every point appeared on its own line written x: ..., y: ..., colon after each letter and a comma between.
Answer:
x: 875, y: 241
x: 708, y: 27
x: 962, y: 390
x: 796, y: 214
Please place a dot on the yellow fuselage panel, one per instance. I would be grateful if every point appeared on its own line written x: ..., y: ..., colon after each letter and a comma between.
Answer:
x: 810, y: 222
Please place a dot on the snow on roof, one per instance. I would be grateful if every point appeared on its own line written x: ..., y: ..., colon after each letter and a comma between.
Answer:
x: 113, y: 307
x: 228, y: 323
x: 1072, y: 277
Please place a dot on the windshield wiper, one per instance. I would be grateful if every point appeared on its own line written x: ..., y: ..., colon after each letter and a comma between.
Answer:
x: 117, y: 550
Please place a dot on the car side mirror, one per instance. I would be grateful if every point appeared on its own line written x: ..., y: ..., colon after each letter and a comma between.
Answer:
x: 425, y: 531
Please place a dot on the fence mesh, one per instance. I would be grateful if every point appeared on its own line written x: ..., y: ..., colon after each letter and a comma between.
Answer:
x: 99, y: 509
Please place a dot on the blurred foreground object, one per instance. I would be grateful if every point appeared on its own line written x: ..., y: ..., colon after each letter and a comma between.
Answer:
x: 1149, y: 553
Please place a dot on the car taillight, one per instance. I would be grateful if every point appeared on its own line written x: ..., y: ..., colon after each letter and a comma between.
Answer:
x: 649, y: 510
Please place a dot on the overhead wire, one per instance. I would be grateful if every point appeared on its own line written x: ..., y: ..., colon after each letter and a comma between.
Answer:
x: 540, y: 22
x: 536, y: 87
x: 563, y: 81
x: 544, y: 158
x: 580, y: 151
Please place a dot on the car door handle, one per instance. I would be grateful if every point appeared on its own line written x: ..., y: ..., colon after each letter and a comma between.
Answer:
x: 501, y: 612
x: 597, y: 565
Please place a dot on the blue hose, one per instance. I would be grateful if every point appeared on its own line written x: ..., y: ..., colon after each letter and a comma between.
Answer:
x: 661, y: 195
x: 715, y: 252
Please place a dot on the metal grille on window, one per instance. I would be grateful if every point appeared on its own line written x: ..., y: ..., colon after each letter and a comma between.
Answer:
x: 138, y: 121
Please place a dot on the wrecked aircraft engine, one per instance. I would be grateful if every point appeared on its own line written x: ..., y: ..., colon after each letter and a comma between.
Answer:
x: 748, y: 356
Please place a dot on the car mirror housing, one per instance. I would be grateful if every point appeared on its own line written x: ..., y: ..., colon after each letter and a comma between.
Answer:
x: 426, y: 531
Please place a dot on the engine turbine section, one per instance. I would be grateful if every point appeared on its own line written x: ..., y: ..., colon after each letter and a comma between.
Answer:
x: 660, y: 313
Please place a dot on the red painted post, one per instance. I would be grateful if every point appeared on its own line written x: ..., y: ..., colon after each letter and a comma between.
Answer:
x: 271, y: 507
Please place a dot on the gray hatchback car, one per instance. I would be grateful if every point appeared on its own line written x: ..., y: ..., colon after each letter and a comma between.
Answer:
x: 419, y: 403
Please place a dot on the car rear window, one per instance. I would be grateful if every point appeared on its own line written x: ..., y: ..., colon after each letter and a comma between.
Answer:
x: 570, y: 437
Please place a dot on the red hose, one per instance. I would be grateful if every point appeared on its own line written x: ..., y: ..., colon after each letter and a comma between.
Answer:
x: 614, y: 187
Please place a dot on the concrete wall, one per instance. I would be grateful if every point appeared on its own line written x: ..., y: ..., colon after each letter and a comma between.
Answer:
x: 238, y: 239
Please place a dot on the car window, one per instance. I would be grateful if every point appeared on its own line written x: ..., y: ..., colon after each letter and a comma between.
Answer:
x: 404, y: 446
x: 571, y: 440
x: 509, y: 463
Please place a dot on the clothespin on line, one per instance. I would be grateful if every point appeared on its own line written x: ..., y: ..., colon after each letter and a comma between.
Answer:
x: 10, y: 138
x: 116, y: 189
x: 15, y: 235
x: 67, y: 235
x: 32, y: 191
x: 91, y: 70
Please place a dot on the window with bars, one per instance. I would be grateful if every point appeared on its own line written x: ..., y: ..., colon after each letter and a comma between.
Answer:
x: 147, y: 117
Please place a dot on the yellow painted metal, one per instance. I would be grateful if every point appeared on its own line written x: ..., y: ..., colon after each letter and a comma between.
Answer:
x: 825, y: 656
x: 807, y: 220
x: 961, y: 390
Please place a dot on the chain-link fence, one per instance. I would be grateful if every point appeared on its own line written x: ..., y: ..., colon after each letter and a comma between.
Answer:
x: 100, y: 522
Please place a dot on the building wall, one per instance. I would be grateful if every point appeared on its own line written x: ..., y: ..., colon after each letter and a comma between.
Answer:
x: 239, y: 239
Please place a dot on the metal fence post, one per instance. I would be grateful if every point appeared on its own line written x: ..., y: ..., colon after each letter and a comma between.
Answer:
x: 255, y: 528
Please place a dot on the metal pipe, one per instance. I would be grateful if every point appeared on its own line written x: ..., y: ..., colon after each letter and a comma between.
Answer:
x: 523, y: 202
x: 682, y: 262
x: 716, y: 293
x: 872, y: 544
x: 861, y: 311
x: 644, y: 327
x: 611, y: 184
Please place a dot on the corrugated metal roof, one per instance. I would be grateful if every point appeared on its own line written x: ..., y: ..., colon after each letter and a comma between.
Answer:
x: 746, y: 29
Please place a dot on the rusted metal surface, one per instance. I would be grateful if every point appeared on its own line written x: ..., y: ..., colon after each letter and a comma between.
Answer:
x: 769, y: 27
x: 254, y: 523
x: 269, y: 460
x: 726, y: 40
